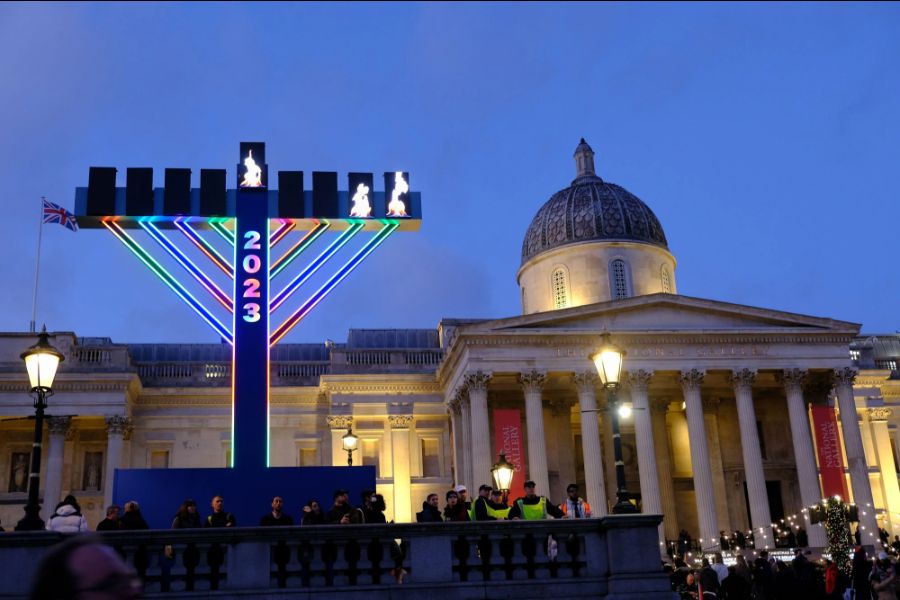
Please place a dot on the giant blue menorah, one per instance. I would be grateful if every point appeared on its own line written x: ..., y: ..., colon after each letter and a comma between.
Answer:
x: 252, y: 219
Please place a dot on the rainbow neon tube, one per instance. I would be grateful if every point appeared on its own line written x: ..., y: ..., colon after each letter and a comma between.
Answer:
x: 185, y: 262
x: 205, y: 247
x: 319, y: 295
x: 167, y: 278
x: 305, y: 242
x: 346, y: 236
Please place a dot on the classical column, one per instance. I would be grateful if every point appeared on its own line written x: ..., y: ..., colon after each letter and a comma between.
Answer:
x: 339, y: 424
x: 116, y: 426
x: 643, y: 434
x: 532, y: 384
x: 856, y: 456
x: 881, y: 439
x: 453, y: 409
x: 400, y: 462
x: 760, y: 517
x: 703, y: 482
x: 590, y: 442
x: 58, y: 427
x: 465, y: 409
x: 482, y: 457
x: 664, y: 468
x: 804, y: 454
x: 560, y: 437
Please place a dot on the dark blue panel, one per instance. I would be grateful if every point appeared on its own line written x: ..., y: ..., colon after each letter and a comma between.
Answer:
x: 139, y: 192
x: 212, y: 193
x: 325, y: 195
x: 101, y: 195
x: 177, y: 198
x: 247, y: 493
x: 290, y: 194
x: 251, y: 330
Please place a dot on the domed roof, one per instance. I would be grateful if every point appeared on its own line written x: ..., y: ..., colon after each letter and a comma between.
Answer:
x: 591, y: 210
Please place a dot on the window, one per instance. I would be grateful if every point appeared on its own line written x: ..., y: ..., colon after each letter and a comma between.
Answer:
x: 560, y: 288
x: 431, y: 458
x: 370, y: 454
x: 618, y: 275
x: 159, y: 459
x: 666, y: 283
x: 854, y: 355
x: 889, y: 364
x: 308, y: 457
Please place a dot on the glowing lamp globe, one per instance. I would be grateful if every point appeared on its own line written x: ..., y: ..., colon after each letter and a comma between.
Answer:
x: 609, y: 363
x: 42, y: 360
x: 349, y: 440
x: 502, y: 473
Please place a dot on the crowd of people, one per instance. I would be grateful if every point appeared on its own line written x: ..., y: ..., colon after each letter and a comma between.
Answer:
x: 766, y: 578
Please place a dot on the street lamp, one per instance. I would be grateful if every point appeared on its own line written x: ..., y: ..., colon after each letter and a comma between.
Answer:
x: 41, y: 361
x: 349, y: 442
x: 502, y: 473
x: 609, y: 366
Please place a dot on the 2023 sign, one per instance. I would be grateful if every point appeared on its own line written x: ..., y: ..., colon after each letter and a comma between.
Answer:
x: 251, y: 266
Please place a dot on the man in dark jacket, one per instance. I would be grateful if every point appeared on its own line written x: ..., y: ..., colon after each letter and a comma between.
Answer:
x: 343, y: 513
x: 277, y: 517
x: 220, y: 518
x: 430, y: 512
x: 709, y: 580
x: 132, y: 519
x: 111, y: 522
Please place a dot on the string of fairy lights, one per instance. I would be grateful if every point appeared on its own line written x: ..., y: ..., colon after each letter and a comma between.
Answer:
x: 781, y: 530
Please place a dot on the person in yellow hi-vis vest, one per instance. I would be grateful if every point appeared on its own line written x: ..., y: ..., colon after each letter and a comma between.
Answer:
x: 496, y: 507
x: 533, y: 507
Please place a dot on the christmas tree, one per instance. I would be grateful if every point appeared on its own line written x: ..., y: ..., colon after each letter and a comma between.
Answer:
x: 838, y: 532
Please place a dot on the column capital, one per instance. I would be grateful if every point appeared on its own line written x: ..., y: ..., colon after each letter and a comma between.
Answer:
x: 339, y: 421
x: 533, y: 380
x: 692, y: 380
x: 845, y: 376
x: 59, y: 425
x: 793, y: 378
x: 881, y: 413
x: 743, y: 378
x: 461, y: 397
x: 400, y: 421
x: 477, y: 381
x: 586, y: 381
x: 639, y: 379
x: 117, y: 425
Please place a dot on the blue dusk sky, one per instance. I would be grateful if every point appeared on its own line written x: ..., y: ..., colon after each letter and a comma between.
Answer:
x: 765, y: 137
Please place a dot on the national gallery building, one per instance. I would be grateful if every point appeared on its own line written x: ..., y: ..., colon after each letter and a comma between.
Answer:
x: 742, y: 416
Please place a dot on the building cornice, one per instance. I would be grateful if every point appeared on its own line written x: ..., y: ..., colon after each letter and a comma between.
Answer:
x: 380, y: 384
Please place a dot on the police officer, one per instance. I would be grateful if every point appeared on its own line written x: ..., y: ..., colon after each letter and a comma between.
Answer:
x: 532, y: 507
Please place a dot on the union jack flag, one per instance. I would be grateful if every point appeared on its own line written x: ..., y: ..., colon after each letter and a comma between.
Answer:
x: 53, y: 213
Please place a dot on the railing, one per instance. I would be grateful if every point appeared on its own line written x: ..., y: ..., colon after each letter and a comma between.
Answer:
x: 613, y: 557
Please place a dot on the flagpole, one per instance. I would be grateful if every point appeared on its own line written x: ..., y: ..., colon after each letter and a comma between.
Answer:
x: 37, y: 266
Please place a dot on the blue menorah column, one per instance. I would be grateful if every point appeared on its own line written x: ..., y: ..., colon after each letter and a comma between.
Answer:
x: 250, y: 363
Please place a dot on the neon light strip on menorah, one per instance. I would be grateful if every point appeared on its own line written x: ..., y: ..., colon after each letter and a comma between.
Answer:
x: 183, y: 225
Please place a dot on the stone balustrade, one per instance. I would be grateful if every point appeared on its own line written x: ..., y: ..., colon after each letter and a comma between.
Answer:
x: 612, y: 557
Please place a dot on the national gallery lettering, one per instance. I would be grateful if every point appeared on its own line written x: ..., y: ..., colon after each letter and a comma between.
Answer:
x: 740, y: 416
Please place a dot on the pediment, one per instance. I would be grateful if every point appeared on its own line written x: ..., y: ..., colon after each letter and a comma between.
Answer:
x: 666, y: 313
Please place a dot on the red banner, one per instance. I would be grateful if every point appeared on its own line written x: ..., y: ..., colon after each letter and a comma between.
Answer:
x: 828, y: 444
x: 508, y: 439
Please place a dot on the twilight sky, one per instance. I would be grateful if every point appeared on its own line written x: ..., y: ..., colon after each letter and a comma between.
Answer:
x: 765, y: 137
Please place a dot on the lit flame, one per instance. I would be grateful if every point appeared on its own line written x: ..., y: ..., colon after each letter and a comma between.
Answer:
x: 396, y: 207
x: 361, y: 206
x: 253, y: 176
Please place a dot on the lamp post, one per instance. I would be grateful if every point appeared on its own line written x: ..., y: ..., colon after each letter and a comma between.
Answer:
x: 609, y: 366
x: 502, y: 472
x: 349, y: 442
x: 41, y: 361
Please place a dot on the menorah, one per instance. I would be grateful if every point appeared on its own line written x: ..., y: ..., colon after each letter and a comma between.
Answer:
x: 249, y: 221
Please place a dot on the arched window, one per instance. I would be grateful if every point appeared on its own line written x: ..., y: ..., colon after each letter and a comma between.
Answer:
x: 618, y: 279
x: 666, y: 281
x: 560, y: 282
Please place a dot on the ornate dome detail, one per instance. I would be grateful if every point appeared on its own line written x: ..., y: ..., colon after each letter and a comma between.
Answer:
x: 591, y: 210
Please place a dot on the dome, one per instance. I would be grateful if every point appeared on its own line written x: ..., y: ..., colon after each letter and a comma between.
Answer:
x: 591, y: 210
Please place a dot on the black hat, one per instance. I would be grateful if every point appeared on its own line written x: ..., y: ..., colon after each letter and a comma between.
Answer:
x: 484, y: 487
x: 341, y: 493
x: 530, y: 484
